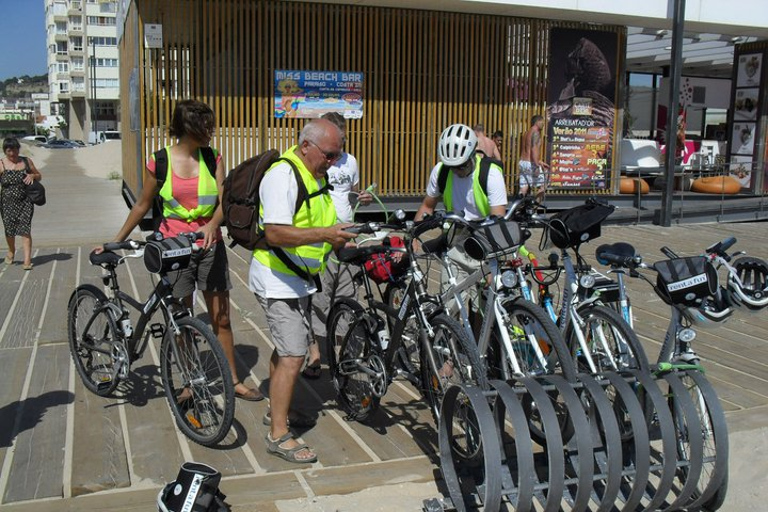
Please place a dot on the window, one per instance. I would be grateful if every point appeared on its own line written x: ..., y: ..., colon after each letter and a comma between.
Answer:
x: 78, y: 84
x: 107, y: 6
x: 61, y: 27
x: 101, y: 21
x: 105, y: 110
x: 102, y: 63
x: 77, y: 43
x: 76, y: 5
x: 63, y: 67
x: 102, y: 41
x: 61, y: 48
x: 63, y: 87
x: 77, y: 63
x: 107, y: 83
x: 75, y: 23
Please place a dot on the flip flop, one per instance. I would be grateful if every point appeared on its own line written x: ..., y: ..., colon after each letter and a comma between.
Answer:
x: 252, y: 395
x: 312, y: 372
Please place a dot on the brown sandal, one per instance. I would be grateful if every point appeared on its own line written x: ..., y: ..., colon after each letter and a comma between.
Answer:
x: 252, y: 395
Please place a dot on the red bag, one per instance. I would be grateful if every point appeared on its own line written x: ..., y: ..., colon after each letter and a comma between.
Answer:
x: 380, y: 266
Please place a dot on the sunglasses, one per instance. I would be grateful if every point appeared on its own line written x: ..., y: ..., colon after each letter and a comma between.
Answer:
x: 329, y: 156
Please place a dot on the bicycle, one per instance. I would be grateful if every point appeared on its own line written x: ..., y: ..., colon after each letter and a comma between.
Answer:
x: 367, y: 347
x: 689, y: 286
x: 104, y: 343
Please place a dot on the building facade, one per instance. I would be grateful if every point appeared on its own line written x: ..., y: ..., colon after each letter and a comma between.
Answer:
x: 83, y: 65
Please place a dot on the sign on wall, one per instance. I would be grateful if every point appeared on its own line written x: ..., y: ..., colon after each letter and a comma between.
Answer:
x: 746, y: 106
x: 310, y: 94
x: 581, y: 107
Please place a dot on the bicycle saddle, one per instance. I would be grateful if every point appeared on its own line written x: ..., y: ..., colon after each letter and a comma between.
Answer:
x: 106, y: 258
x: 618, y: 252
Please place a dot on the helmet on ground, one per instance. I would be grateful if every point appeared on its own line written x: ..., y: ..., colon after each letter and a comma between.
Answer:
x: 456, y: 145
x: 752, y: 292
x: 712, y: 311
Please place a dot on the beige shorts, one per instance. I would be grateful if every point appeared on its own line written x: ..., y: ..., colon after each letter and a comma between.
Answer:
x: 207, y: 271
x: 289, y: 323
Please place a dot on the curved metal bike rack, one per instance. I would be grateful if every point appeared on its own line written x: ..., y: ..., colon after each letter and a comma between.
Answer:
x: 586, y: 461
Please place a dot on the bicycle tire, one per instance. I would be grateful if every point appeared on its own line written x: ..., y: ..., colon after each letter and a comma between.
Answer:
x: 197, y: 381
x: 348, y: 340
x: 452, y: 344
x: 527, y: 321
x: 603, y: 324
x: 94, y: 362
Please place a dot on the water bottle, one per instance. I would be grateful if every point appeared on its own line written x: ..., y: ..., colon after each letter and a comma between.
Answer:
x: 383, y: 335
x: 125, y: 324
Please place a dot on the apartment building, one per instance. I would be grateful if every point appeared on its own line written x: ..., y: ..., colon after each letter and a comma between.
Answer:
x: 83, y: 71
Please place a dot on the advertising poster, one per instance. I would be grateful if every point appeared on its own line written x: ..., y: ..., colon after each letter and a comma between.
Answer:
x: 749, y: 70
x: 310, y: 94
x: 741, y: 169
x: 581, y: 107
x: 743, y: 138
x: 745, y: 104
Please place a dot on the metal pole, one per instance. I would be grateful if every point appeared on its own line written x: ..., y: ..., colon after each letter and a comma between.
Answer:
x: 95, y: 113
x: 674, y: 88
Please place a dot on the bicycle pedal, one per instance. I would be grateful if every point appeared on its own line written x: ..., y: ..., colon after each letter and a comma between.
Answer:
x: 157, y: 330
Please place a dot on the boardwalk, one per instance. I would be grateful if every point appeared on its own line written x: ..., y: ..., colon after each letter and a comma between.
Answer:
x: 63, y: 448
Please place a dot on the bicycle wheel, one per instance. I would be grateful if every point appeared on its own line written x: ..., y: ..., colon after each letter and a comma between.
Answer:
x: 528, y: 324
x: 93, y: 340
x: 613, y: 346
x: 454, y: 359
x: 712, y: 483
x: 197, y: 381
x: 349, y: 349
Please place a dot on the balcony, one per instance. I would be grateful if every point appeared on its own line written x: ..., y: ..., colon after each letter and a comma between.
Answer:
x: 75, y: 30
x: 76, y: 52
x: 62, y: 57
x: 61, y: 36
x: 77, y: 72
x: 62, y: 76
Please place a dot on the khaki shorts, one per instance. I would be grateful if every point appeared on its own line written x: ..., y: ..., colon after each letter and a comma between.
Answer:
x: 289, y: 323
x: 207, y: 271
x: 321, y: 301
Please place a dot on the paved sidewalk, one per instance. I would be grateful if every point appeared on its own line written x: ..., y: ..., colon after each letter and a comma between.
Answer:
x: 64, y: 449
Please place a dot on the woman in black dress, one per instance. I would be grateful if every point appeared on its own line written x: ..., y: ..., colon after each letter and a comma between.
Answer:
x: 15, y: 173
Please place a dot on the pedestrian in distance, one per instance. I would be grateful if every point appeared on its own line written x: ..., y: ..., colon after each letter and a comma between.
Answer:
x: 485, y: 145
x: 498, y: 139
x: 304, y: 235
x: 191, y: 202
x: 532, y: 168
x: 15, y: 207
x: 344, y: 177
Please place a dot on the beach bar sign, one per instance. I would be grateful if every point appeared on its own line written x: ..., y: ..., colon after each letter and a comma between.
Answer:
x: 310, y: 94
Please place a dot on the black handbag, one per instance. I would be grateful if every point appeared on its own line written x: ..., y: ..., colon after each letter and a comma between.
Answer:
x: 36, y: 193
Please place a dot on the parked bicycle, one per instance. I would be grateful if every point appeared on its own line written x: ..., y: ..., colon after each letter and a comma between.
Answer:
x: 690, y: 287
x: 367, y: 348
x: 104, y: 342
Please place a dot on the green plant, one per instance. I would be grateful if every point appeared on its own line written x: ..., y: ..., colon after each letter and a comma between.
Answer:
x: 114, y: 175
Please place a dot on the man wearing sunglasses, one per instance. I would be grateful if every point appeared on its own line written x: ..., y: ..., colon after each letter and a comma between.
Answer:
x: 284, y: 281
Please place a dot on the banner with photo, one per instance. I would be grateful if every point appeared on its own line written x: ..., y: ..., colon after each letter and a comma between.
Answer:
x: 310, y: 94
x: 581, y: 107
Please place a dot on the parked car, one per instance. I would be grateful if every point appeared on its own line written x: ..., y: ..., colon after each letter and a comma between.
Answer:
x: 110, y: 135
x: 62, y: 143
x: 37, y: 139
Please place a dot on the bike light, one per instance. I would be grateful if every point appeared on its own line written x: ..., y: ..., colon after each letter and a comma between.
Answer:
x: 686, y: 335
x: 587, y: 281
x: 399, y: 214
x: 508, y: 279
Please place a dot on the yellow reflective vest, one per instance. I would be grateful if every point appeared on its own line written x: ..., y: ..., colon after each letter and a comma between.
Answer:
x: 207, y: 193
x: 317, y: 212
x: 481, y: 199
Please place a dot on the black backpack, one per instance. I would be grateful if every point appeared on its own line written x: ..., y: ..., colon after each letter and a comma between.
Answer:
x: 240, y: 203
x: 161, y: 173
x: 485, y: 167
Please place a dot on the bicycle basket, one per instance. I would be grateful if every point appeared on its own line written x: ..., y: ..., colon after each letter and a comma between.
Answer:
x: 492, y: 240
x: 577, y: 225
x: 380, y: 267
x: 167, y: 255
x: 685, y: 281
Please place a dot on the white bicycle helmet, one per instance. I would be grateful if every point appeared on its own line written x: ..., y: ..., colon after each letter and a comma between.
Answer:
x: 710, y: 313
x: 456, y: 145
x: 752, y: 292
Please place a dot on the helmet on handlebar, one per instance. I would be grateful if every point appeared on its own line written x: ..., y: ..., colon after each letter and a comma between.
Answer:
x: 752, y: 293
x: 712, y: 311
x: 456, y: 145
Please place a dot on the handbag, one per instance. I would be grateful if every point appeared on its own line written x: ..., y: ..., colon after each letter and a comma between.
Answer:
x: 36, y: 193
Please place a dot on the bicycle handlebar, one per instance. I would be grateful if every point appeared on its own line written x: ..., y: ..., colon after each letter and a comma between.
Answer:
x: 720, y: 248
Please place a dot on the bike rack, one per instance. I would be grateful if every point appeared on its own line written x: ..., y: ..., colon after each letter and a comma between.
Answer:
x: 585, y: 459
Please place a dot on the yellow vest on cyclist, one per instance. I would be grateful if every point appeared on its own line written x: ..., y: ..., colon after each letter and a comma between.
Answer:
x: 481, y: 199
x: 207, y: 193
x: 320, y: 213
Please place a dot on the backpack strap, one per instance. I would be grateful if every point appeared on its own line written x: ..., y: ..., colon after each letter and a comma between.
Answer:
x: 485, y: 168
x: 442, y: 178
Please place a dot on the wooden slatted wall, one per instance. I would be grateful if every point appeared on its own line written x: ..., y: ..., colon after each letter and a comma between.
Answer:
x: 423, y: 71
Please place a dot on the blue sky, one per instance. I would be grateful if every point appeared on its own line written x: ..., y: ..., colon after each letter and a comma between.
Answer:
x: 22, y: 39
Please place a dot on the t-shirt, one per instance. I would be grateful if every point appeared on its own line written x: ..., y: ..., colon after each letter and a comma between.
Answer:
x: 278, y: 192
x: 463, y: 195
x: 184, y: 190
x: 343, y: 176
